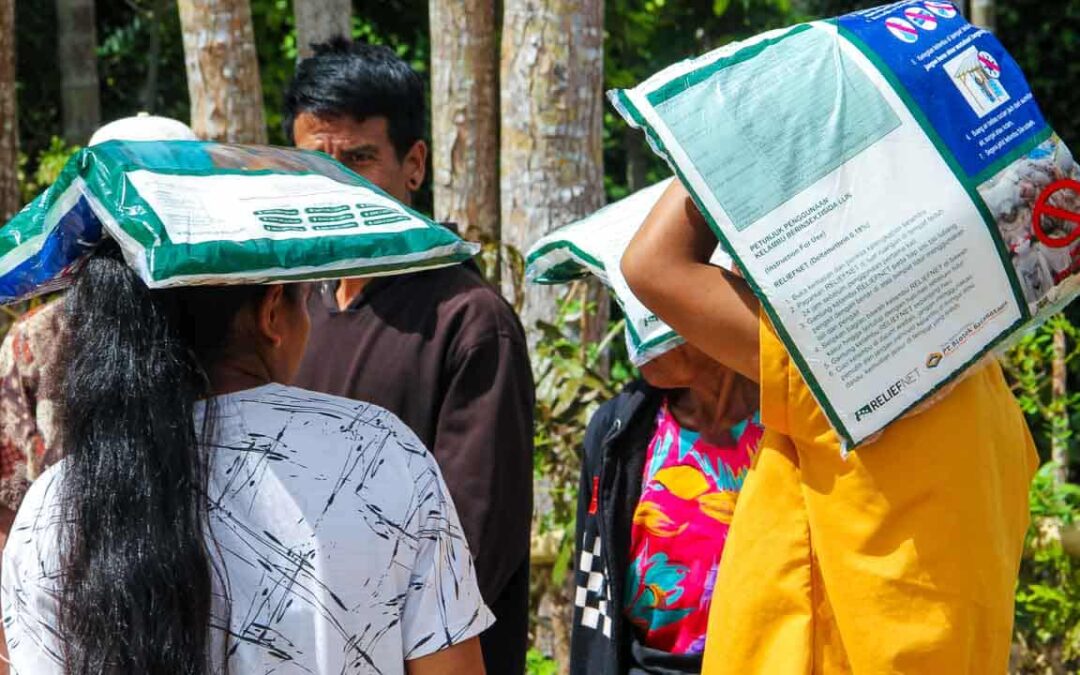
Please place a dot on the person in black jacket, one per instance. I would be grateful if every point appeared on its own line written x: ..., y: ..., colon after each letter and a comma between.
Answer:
x: 663, y: 463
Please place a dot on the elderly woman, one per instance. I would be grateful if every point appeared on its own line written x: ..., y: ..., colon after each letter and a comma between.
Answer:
x: 663, y: 466
x: 208, y: 518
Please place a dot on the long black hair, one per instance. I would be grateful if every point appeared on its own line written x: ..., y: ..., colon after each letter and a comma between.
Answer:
x: 137, y: 575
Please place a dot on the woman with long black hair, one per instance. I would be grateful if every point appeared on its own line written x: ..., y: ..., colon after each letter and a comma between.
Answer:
x: 209, y: 520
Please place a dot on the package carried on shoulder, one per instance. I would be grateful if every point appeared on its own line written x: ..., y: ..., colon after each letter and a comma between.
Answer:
x: 191, y: 212
x: 595, y: 245
x: 888, y: 186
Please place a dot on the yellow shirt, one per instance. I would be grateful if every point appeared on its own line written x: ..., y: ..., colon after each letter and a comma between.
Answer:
x: 900, y: 559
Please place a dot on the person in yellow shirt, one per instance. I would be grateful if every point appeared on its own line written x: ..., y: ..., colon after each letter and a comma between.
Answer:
x: 901, y: 558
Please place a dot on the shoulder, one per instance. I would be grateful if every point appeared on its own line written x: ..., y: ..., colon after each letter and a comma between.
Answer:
x: 326, y: 422
x: 603, y: 419
x: 314, y: 411
x: 45, y: 314
x: 44, y: 493
x: 468, y: 305
x: 398, y: 469
x: 42, y: 321
x: 290, y: 399
x: 335, y: 455
x: 32, y: 574
x: 637, y: 399
x: 37, y: 328
x: 34, y: 536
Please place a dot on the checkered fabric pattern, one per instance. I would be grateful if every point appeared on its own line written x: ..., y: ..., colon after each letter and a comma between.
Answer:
x: 592, y: 593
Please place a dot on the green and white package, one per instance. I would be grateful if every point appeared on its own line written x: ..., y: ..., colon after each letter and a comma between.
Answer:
x: 595, y: 245
x: 190, y: 212
x: 888, y: 186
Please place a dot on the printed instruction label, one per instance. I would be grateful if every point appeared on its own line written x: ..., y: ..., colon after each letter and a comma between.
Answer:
x: 199, y: 209
x: 871, y: 251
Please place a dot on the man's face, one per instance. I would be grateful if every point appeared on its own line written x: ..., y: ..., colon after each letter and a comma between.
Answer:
x: 366, y: 148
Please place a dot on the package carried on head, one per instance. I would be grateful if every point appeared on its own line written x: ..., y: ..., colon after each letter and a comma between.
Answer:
x: 595, y: 245
x: 889, y: 188
x: 191, y: 212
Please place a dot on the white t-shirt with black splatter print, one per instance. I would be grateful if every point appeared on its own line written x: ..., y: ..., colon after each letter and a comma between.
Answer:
x: 340, y: 546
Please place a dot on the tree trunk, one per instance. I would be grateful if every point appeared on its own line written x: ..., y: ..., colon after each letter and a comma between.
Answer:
x: 222, y: 71
x: 1059, y: 379
x: 984, y: 14
x: 76, y: 51
x: 319, y: 20
x: 634, y: 146
x: 148, y: 93
x: 465, y: 121
x: 9, y: 126
x: 551, y: 170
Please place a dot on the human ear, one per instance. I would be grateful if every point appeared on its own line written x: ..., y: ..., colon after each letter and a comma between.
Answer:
x: 271, y: 314
x: 415, y: 165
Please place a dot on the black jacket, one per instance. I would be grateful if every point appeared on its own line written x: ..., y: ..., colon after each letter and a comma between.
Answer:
x: 602, y: 641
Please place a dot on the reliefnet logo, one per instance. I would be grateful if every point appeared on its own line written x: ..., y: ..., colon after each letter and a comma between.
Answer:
x: 879, y: 401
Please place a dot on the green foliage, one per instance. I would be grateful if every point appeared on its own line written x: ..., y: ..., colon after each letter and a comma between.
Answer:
x: 275, y: 43
x: 38, y: 83
x: 643, y: 36
x: 572, y: 380
x: 141, y: 59
x: 824, y: 9
x: 1044, y: 37
x: 538, y: 664
x: 569, y: 388
x: 1048, y: 593
x: 1052, y: 500
x: 48, y: 164
x: 1030, y: 367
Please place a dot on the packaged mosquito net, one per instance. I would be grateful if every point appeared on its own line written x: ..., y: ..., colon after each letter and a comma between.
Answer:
x: 890, y: 189
x: 189, y: 212
x: 595, y: 245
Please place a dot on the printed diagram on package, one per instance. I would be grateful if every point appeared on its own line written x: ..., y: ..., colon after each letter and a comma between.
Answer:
x: 944, y: 9
x: 977, y: 75
x: 1014, y: 197
x: 902, y: 30
x: 916, y: 18
x: 923, y: 18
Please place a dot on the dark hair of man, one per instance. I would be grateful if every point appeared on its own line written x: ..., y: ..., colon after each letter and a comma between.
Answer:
x: 136, y: 585
x: 361, y: 81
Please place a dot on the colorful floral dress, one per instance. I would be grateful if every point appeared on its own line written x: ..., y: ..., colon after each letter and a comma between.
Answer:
x: 688, y: 495
x: 29, y: 428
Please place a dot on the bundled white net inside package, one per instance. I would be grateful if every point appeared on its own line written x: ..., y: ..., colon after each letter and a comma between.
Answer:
x: 890, y: 189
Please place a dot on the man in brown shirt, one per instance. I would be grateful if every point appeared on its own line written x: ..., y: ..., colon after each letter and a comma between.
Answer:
x: 440, y: 348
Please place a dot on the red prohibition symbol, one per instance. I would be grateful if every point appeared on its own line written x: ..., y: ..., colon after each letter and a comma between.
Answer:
x: 1044, y: 208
